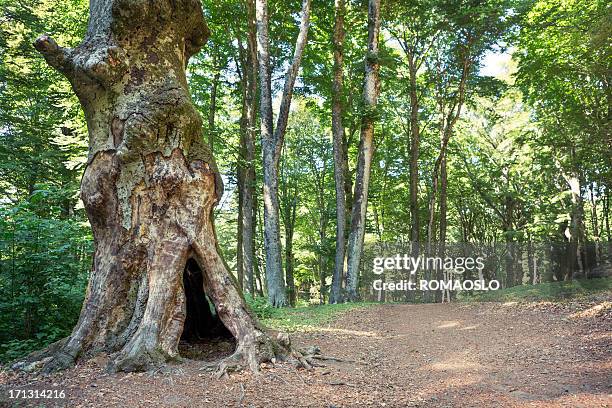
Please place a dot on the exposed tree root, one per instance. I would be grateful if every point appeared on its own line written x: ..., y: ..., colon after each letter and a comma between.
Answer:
x: 52, y: 358
x: 279, y: 350
x: 251, y: 354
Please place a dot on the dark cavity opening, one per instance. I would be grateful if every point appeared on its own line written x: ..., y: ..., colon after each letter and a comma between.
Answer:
x: 204, y: 336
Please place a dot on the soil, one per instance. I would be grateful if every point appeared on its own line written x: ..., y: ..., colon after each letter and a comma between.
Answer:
x: 396, y: 355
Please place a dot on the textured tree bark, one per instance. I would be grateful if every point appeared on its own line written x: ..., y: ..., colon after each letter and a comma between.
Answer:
x: 274, y: 273
x: 257, y: 264
x: 371, y: 90
x: 149, y: 189
x: 272, y: 142
x: 339, y: 163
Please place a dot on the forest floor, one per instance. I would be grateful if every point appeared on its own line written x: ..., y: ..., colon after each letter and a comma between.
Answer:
x: 513, y: 354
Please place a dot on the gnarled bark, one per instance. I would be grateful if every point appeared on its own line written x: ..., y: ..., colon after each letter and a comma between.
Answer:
x: 149, y: 190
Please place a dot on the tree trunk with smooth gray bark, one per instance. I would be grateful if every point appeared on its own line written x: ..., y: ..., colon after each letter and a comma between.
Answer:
x: 272, y: 142
x: 335, y: 295
x: 371, y: 90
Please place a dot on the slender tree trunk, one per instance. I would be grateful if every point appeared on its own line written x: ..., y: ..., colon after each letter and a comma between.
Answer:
x: 415, y: 140
x: 443, y: 200
x: 212, y: 111
x: 248, y: 185
x: 272, y: 142
x: 448, y: 120
x: 595, y: 226
x: 240, y: 240
x: 289, y: 258
x: 530, y: 261
x: 606, y: 210
x: 240, y: 170
x: 348, y: 180
x: 322, y: 257
x: 371, y: 90
x: 274, y: 274
x: 446, y: 295
x: 348, y: 195
x: 520, y: 270
x: 574, y: 230
x: 508, y: 228
x: 149, y: 190
x: 257, y: 261
x: 433, y: 248
x: 339, y: 146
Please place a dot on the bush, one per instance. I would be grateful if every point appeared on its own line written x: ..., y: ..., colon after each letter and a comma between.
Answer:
x: 44, y: 267
x: 260, y: 306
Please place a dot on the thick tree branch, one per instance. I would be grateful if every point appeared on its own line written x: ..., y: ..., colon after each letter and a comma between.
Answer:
x: 56, y: 56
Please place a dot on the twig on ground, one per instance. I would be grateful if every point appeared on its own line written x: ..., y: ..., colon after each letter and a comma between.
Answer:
x: 341, y: 383
x: 279, y: 377
x: 328, y: 358
x: 242, y: 394
x: 300, y: 377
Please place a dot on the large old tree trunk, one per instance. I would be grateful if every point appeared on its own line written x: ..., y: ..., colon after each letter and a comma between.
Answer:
x: 149, y: 190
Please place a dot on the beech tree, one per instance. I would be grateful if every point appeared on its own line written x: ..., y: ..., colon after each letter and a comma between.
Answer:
x: 371, y: 90
x: 149, y: 189
x: 272, y: 142
x: 339, y: 146
x: 416, y: 30
x: 246, y: 180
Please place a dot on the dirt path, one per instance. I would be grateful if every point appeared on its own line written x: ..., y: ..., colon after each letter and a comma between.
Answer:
x: 480, y: 355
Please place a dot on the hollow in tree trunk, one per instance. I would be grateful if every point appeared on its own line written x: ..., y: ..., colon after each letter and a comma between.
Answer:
x: 149, y: 189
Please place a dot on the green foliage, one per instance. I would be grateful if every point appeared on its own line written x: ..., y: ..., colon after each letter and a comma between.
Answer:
x: 308, y: 317
x: 564, y: 72
x: 44, y: 263
x: 260, y: 306
x: 45, y: 240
